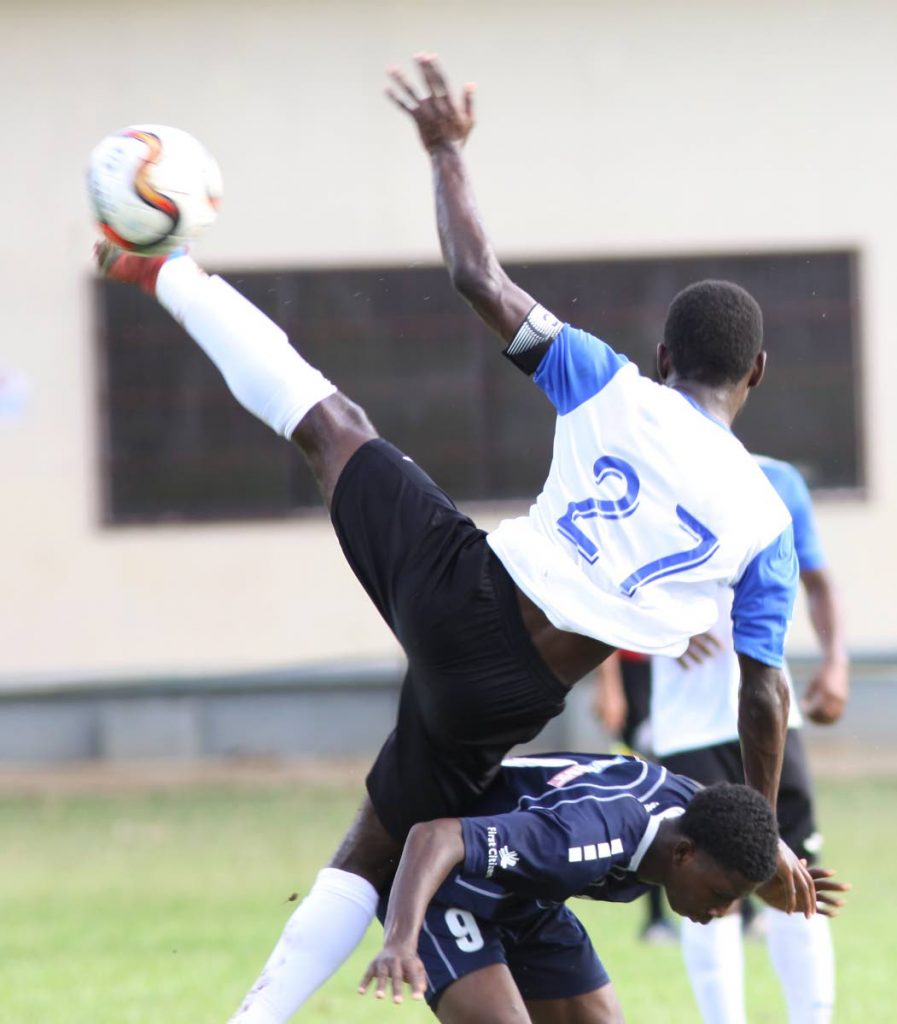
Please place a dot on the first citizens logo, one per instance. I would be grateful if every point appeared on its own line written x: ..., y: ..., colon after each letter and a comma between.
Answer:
x: 504, y: 858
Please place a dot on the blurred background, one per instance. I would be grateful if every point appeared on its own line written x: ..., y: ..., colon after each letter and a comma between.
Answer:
x: 156, y: 533
x: 172, y: 592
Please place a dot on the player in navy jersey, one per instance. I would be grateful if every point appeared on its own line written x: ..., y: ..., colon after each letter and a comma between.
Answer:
x: 651, y: 506
x: 476, y: 918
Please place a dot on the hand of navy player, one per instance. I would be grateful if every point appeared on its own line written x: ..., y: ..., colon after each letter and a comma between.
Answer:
x: 395, y: 966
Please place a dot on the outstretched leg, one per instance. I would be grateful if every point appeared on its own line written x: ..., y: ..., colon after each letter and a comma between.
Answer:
x: 272, y: 381
x: 329, y: 435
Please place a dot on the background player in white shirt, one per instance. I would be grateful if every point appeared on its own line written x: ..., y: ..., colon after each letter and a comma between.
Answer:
x: 694, y: 704
x: 651, y: 507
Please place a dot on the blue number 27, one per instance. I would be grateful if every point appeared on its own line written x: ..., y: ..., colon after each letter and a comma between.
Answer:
x: 609, y: 468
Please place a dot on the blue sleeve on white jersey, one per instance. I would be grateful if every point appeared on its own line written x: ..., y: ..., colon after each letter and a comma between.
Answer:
x: 795, y: 494
x: 764, y: 600
x: 576, y: 366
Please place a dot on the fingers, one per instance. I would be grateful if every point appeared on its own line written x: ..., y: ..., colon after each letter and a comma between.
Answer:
x: 805, y: 890
x: 467, y: 100
x: 823, y: 710
x: 418, y: 981
x: 390, y: 974
x: 699, y: 649
x: 367, y: 978
x: 432, y: 73
x: 404, y: 93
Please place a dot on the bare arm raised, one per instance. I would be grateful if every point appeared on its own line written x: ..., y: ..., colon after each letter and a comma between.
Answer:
x: 443, y: 126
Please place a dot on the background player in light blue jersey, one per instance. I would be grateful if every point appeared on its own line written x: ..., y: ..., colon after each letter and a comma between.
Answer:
x: 694, y: 703
x: 651, y: 506
x: 476, y: 920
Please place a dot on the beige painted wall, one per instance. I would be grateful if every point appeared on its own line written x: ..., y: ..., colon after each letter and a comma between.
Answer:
x: 616, y: 127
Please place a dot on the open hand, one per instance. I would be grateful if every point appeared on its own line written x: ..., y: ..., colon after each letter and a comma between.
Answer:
x: 827, y: 902
x: 796, y: 888
x: 438, y: 118
x: 395, y: 966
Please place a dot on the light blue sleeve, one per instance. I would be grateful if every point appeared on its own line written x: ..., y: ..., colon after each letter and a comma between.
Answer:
x: 794, y: 492
x: 576, y: 366
x: 764, y: 600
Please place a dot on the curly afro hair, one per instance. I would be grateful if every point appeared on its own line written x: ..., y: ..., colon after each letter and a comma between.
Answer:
x: 713, y: 332
x: 735, y: 826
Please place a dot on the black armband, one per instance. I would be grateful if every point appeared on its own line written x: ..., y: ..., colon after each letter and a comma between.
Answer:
x: 532, y: 341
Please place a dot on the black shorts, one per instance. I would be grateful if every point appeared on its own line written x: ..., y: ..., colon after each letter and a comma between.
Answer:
x: 475, y: 685
x: 722, y: 763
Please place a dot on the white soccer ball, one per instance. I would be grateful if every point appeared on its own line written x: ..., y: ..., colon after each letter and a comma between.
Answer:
x: 153, y: 188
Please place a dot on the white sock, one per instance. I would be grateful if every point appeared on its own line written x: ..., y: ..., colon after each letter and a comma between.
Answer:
x: 323, y: 930
x: 804, y: 959
x: 715, y: 963
x: 263, y: 371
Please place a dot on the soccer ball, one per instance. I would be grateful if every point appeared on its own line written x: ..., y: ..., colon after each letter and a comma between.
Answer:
x: 152, y: 188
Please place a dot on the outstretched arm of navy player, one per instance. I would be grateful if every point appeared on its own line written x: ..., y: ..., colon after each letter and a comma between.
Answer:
x: 444, y: 125
x: 432, y: 850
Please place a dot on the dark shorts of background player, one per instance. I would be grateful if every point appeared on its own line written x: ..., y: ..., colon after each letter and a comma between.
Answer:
x: 475, y: 685
x: 546, y: 949
x: 722, y: 763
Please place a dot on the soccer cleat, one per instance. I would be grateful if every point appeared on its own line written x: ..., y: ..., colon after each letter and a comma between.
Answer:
x: 116, y: 265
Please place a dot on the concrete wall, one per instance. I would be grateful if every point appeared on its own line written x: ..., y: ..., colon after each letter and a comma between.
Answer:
x: 341, y: 711
x: 605, y: 128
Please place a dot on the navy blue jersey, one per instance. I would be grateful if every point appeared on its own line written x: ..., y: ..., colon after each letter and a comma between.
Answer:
x: 562, y: 825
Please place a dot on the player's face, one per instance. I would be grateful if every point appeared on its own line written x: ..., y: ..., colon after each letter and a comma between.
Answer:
x: 701, y: 890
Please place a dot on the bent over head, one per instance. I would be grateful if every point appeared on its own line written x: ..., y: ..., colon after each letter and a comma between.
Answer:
x: 713, y: 332
x: 725, y: 846
x: 736, y: 827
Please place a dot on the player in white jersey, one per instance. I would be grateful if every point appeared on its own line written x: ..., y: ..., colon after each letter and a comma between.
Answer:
x: 629, y: 542
x: 694, y: 711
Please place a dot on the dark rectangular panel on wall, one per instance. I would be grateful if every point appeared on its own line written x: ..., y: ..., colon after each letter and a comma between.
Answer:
x: 176, y: 446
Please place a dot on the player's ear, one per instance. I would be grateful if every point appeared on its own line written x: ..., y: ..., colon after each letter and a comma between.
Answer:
x: 683, y: 851
x: 758, y: 370
x: 664, y: 365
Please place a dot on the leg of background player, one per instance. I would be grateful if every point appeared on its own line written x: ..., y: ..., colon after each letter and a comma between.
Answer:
x: 658, y: 929
x: 715, y: 963
x: 804, y: 960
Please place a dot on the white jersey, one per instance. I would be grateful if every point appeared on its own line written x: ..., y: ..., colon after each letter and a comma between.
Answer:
x: 697, y: 706
x: 651, y: 510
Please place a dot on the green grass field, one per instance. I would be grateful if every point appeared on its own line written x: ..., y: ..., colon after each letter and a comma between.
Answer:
x: 132, y: 909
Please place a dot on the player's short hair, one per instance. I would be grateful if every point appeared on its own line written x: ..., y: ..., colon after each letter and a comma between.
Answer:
x: 713, y: 332
x: 735, y: 826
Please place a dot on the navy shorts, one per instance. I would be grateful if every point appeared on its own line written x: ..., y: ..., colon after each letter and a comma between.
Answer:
x: 547, y: 950
x: 794, y: 807
x: 475, y: 685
